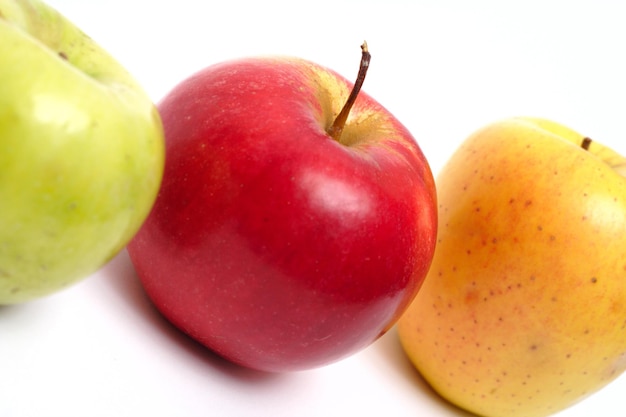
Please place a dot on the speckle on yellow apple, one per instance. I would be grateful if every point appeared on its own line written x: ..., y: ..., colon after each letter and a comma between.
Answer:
x: 523, y: 312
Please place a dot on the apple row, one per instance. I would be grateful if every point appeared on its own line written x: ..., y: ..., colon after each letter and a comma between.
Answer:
x: 286, y: 220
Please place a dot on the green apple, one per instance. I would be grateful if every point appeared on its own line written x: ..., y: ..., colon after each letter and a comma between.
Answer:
x: 523, y: 311
x: 81, y: 153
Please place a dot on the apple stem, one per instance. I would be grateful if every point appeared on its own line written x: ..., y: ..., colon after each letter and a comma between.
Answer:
x: 336, y: 128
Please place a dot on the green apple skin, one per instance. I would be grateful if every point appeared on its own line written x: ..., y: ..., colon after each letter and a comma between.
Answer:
x: 82, y: 153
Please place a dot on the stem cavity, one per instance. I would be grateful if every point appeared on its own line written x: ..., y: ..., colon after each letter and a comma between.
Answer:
x: 336, y: 128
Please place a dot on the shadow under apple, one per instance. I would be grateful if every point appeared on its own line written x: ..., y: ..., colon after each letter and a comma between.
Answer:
x: 388, y: 352
x: 18, y: 311
x: 121, y: 279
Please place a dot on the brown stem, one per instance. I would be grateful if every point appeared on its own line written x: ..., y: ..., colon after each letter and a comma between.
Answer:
x: 337, y: 127
x: 585, y: 144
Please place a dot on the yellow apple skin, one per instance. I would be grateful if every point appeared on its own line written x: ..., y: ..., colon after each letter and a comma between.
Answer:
x: 523, y: 311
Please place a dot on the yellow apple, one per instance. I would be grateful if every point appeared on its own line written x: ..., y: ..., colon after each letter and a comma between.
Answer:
x: 523, y: 312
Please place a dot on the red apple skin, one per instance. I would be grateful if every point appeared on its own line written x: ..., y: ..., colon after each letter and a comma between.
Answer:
x: 272, y: 244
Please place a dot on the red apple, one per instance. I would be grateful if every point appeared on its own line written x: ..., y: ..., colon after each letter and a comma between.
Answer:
x: 276, y: 244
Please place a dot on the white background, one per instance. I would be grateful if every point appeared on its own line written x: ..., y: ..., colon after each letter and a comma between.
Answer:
x: 443, y: 67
